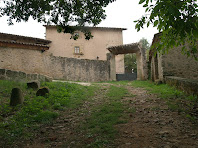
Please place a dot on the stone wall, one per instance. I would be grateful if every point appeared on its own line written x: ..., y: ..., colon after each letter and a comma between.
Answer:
x: 93, y: 49
x: 22, y: 76
x: 78, y: 70
x: 186, y: 85
x: 176, y: 64
x: 173, y: 63
x: 25, y: 61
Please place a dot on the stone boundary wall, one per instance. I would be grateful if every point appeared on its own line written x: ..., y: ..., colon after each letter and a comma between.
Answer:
x: 177, y: 64
x: 72, y: 69
x: 187, y: 85
x: 22, y: 76
x: 24, y: 64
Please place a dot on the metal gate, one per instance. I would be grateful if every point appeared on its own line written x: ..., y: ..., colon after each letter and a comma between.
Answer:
x: 126, y: 76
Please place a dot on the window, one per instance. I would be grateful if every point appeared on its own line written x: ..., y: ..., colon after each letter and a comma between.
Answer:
x: 77, y: 50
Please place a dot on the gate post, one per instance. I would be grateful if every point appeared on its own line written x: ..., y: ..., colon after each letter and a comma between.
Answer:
x: 142, y: 68
x: 112, y: 66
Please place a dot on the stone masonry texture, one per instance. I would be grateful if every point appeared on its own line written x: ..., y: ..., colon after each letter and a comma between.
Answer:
x: 26, y: 64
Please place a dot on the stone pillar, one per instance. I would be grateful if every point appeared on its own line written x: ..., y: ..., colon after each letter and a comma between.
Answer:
x: 142, y: 68
x: 139, y: 69
x: 112, y: 72
x: 144, y: 64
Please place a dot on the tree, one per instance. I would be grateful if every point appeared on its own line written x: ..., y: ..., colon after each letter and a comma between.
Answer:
x: 145, y: 43
x: 177, y: 20
x: 130, y: 63
x: 57, y: 12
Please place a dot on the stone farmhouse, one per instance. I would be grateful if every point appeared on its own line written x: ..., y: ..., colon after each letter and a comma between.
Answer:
x: 58, y: 57
x: 93, y: 49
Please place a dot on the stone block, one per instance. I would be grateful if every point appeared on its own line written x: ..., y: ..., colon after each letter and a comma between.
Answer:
x: 48, y: 79
x: 16, y: 97
x: 2, y: 77
x: 2, y: 71
x: 12, y: 75
x: 31, y: 77
x: 22, y: 76
x: 41, y: 78
x: 42, y: 91
x: 34, y: 85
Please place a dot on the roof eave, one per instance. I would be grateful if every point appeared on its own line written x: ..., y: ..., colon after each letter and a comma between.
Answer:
x: 93, y: 27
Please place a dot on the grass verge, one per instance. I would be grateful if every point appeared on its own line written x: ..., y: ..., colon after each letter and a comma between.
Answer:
x: 175, y: 99
x: 20, y: 123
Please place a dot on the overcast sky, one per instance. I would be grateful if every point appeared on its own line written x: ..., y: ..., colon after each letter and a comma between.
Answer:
x: 120, y: 14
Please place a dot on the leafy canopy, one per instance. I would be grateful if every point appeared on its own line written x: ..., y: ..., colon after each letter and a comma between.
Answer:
x: 145, y: 43
x: 176, y: 19
x: 57, y: 12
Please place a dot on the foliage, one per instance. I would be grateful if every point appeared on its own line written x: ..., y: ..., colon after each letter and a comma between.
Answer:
x: 15, y: 122
x: 145, y: 43
x: 177, y: 20
x: 130, y: 63
x: 57, y: 12
x: 130, y: 59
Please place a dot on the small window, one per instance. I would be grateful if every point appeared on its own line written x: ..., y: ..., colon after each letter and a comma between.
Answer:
x: 77, y: 50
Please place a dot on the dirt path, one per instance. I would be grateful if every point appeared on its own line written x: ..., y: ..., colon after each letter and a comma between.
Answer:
x: 150, y: 124
x: 153, y: 125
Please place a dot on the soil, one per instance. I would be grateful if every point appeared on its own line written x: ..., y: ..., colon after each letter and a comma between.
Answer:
x: 151, y: 124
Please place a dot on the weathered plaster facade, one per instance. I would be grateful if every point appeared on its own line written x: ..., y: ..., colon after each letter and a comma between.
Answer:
x: 93, y: 49
x: 174, y: 63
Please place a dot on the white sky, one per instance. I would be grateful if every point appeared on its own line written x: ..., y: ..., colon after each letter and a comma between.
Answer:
x: 120, y: 14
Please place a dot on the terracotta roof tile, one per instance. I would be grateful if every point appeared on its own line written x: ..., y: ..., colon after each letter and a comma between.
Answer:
x: 24, y: 37
x: 13, y: 42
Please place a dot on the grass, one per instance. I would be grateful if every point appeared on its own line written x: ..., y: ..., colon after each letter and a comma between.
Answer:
x: 100, y: 125
x: 175, y: 99
x: 23, y: 121
x: 163, y: 90
x: 20, y: 122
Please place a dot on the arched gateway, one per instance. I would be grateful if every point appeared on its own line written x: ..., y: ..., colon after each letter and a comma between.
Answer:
x: 136, y: 48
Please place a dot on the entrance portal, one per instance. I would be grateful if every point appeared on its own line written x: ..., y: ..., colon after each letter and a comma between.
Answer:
x: 140, y: 59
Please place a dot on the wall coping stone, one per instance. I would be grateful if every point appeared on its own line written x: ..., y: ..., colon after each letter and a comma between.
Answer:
x: 187, y: 85
x: 6, y: 74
